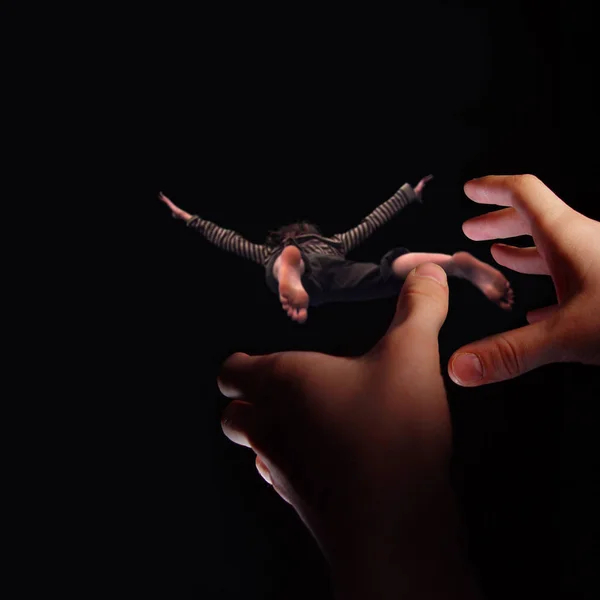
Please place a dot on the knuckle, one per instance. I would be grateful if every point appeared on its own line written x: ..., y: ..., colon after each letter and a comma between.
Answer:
x: 509, y: 356
x: 424, y: 287
x: 428, y: 292
x: 274, y: 366
x: 415, y: 292
x: 521, y: 186
x: 276, y: 377
x: 528, y: 179
x: 520, y: 183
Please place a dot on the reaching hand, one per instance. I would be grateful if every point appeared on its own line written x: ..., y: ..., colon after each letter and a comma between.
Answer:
x: 177, y: 212
x: 359, y: 446
x: 567, y: 247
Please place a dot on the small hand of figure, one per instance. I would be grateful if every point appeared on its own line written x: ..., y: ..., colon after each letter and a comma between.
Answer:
x: 177, y: 212
x: 419, y: 187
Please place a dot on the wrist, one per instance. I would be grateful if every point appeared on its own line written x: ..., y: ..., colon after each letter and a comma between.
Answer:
x: 425, y: 558
x: 443, y: 576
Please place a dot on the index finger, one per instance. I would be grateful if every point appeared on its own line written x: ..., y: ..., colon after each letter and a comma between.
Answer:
x: 526, y: 193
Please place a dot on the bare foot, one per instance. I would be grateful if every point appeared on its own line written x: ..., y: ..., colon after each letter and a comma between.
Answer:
x: 489, y: 280
x: 292, y: 294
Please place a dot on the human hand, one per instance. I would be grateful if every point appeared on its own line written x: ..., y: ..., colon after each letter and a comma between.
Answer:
x: 567, y: 247
x: 419, y: 187
x: 177, y: 212
x: 360, y: 447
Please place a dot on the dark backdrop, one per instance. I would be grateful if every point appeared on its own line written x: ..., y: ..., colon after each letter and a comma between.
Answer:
x: 252, y: 118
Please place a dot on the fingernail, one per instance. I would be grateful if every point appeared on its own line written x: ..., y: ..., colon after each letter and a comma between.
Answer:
x: 467, y: 368
x: 432, y: 271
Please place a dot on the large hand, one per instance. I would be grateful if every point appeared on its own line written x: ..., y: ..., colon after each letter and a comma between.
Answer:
x: 359, y: 446
x: 567, y: 247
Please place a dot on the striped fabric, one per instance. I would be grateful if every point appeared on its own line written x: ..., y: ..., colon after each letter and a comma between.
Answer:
x: 229, y: 240
x: 337, y: 245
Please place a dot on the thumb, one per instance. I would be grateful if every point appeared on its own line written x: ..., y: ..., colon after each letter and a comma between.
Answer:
x: 423, y: 301
x: 504, y: 356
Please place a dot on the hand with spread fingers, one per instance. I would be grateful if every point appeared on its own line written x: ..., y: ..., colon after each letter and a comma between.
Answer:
x: 567, y: 247
x: 360, y: 447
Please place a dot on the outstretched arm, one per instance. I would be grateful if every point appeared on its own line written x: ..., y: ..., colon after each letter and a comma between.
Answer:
x: 382, y: 214
x: 176, y: 212
x: 226, y: 239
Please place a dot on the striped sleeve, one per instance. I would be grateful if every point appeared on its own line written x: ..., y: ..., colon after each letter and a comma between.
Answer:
x: 226, y: 239
x: 381, y: 215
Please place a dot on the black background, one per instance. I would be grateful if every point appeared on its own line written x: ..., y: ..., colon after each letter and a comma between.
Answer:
x: 255, y: 117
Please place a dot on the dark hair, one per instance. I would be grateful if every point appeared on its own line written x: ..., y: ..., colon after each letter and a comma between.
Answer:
x: 277, y: 236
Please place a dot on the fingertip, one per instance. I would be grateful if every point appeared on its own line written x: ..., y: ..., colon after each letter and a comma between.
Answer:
x: 469, y: 229
x: 224, y: 383
x: 469, y: 185
x: 262, y: 468
x: 423, y: 300
x: 507, y: 355
x: 234, y: 360
x: 475, y: 189
x: 227, y: 389
x: 238, y: 422
x: 466, y: 369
